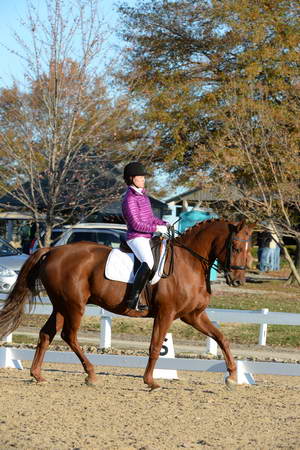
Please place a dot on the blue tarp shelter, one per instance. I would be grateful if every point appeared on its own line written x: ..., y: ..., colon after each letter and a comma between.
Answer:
x: 190, y: 218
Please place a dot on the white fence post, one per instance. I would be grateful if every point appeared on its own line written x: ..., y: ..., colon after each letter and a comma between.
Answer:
x: 262, y: 340
x: 105, y: 332
x: 7, y: 338
x: 211, y: 345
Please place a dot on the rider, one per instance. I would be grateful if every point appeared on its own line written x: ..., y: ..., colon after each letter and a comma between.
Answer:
x: 141, y: 224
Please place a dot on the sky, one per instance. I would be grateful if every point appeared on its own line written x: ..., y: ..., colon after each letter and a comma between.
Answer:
x: 12, y: 12
x: 8, y: 19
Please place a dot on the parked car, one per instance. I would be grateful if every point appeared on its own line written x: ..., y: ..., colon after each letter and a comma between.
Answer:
x: 11, y: 261
x: 102, y: 233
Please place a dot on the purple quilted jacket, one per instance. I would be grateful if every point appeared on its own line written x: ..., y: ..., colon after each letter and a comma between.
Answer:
x: 138, y: 214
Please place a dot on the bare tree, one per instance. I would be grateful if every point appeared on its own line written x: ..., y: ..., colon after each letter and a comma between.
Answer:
x: 256, y: 151
x: 61, y: 131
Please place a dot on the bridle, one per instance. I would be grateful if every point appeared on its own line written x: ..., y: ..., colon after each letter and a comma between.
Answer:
x: 225, y: 267
x: 227, y: 264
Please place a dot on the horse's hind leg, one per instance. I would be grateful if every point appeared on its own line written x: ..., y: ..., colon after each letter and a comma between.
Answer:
x: 69, y: 335
x: 46, y: 336
x: 202, y: 323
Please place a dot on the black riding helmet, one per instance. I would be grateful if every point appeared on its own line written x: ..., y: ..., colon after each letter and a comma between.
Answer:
x: 134, y: 169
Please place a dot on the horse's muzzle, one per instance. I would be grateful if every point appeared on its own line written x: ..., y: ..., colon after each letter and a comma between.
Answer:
x: 233, y: 282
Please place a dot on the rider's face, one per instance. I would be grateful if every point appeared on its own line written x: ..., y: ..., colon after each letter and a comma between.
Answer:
x: 139, y: 181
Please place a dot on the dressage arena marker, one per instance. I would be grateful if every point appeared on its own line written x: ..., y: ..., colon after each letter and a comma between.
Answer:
x: 7, y: 359
x: 167, y: 351
x: 243, y: 375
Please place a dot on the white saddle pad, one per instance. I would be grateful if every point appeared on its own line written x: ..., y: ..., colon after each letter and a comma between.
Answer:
x: 119, y: 266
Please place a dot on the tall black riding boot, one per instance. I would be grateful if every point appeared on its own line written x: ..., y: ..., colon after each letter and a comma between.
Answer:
x: 140, y: 280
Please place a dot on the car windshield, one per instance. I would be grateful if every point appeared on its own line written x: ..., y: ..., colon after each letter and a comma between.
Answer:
x: 55, y: 235
x: 101, y: 237
x: 7, y: 250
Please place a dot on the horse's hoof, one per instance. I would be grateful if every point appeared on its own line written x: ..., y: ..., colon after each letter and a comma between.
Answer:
x: 90, y: 383
x: 230, y: 384
x: 154, y: 387
x: 38, y: 380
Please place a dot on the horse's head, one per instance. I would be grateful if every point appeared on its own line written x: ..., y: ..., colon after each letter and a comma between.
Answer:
x: 234, y: 254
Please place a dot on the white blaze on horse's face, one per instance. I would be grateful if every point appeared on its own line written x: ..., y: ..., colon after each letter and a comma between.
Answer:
x: 239, y: 254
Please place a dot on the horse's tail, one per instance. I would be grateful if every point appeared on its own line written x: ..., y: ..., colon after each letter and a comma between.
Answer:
x: 24, y: 290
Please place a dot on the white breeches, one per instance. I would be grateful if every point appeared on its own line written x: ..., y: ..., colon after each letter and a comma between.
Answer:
x: 142, y: 250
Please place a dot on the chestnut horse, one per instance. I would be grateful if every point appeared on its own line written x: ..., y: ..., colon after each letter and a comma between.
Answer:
x: 73, y: 276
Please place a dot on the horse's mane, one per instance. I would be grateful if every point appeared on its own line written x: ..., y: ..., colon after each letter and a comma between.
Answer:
x: 190, y: 232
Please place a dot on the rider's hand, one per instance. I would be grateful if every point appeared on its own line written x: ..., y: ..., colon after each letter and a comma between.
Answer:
x: 163, y: 229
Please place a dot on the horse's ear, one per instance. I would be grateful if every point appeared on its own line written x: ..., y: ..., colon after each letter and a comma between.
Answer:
x: 244, y: 223
x: 240, y: 225
x: 252, y: 225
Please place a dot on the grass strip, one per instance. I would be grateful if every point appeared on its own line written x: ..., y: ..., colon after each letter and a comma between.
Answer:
x: 278, y: 335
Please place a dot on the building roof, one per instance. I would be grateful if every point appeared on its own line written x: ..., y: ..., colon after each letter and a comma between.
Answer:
x: 210, y: 195
x: 18, y: 215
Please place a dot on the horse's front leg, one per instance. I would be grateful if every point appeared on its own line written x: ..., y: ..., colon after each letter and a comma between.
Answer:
x: 161, y: 325
x: 201, y: 322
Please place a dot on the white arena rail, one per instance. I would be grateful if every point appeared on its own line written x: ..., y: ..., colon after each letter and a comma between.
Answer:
x: 10, y: 356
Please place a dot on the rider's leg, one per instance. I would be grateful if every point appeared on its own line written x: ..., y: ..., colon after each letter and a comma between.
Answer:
x: 141, y: 248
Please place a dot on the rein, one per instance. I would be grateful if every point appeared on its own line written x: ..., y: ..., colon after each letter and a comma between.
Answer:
x: 226, y: 267
x: 170, y: 246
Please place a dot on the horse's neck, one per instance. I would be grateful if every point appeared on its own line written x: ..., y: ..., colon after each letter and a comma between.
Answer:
x: 200, y: 244
x: 201, y: 241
